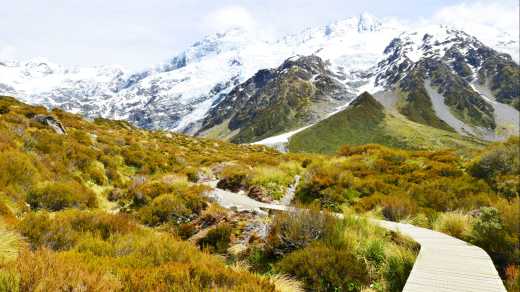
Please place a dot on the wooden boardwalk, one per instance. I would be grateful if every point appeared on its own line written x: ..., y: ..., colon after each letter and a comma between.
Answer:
x: 444, y: 263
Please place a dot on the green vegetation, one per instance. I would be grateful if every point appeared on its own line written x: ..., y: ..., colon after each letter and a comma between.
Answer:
x: 331, y: 254
x: 273, y: 101
x: 57, y: 193
x: 271, y: 181
x: 476, y: 200
x: 464, y: 102
x: 503, y: 76
x: 292, y: 102
x: 217, y: 239
x: 365, y: 122
x: 109, y: 207
x: 415, y: 103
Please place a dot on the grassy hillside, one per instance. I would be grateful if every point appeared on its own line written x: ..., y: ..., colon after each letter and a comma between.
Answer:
x: 415, y: 103
x: 366, y: 121
x: 106, y: 206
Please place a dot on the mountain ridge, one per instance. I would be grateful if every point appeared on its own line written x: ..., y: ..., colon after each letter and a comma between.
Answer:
x: 178, y: 95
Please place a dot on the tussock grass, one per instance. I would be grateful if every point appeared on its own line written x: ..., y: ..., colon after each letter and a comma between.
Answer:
x: 10, y: 242
x: 456, y: 224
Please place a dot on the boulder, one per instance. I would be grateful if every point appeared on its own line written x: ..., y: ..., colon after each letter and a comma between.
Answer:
x: 51, y: 122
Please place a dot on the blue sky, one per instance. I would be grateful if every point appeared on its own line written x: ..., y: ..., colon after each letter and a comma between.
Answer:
x: 140, y: 33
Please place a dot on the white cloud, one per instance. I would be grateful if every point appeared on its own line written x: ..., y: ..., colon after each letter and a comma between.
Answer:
x: 229, y: 17
x: 492, y: 22
x: 498, y: 14
x: 7, y: 52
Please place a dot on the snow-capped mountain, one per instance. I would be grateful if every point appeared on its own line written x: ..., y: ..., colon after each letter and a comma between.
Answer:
x: 178, y: 94
x: 452, y: 81
x: 75, y: 89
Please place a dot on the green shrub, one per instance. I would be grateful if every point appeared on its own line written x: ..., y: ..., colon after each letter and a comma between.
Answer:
x: 17, y: 169
x: 96, y: 172
x: 396, y: 208
x: 398, y: 265
x: 165, y: 208
x: 60, y: 195
x: 325, y: 268
x: 489, y: 233
x: 374, y: 252
x: 217, y: 240
x: 455, y: 224
x: 134, y: 156
x: 273, y: 179
x: 295, y: 230
x: 64, y: 229
x: 499, y: 165
x: 42, y: 231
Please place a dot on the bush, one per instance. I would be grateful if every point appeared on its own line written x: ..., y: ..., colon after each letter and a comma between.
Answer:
x: 232, y: 177
x: 324, y: 268
x: 274, y: 180
x: 234, y: 183
x: 488, y: 232
x: 217, y: 240
x: 96, y: 172
x: 64, y: 229
x: 295, y: 230
x: 165, y: 208
x: 60, y: 195
x: 44, y: 270
x: 17, y: 169
x: 374, y: 252
x: 42, y: 231
x: 398, y: 265
x: 499, y: 165
x: 498, y: 159
x: 396, y: 208
x: 326, y: 185
x: 455, y: 224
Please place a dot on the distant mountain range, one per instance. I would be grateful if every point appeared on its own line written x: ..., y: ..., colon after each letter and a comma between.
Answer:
x: 238, y: 87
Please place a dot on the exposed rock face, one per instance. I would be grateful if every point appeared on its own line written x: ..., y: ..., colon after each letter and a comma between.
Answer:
x: 301, y: 91
x: 458, y: 67
x: 52, y: 122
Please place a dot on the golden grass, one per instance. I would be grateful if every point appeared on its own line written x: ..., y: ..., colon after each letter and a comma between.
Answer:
x: 10, y: 243
x: 455, y: 224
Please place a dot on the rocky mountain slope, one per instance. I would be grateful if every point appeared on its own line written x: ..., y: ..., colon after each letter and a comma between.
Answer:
x: 451, y: 80
x: 432, y: 75
x: 366, y: 121
x: 299, y: 92
x: 177, y: 94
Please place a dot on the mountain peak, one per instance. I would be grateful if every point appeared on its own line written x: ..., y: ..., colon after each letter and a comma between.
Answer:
x: 368, y: 22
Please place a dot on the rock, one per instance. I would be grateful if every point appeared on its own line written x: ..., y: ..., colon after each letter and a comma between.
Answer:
x: 233, y: 183
x: 52, y: 122
x: 258, y: 193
